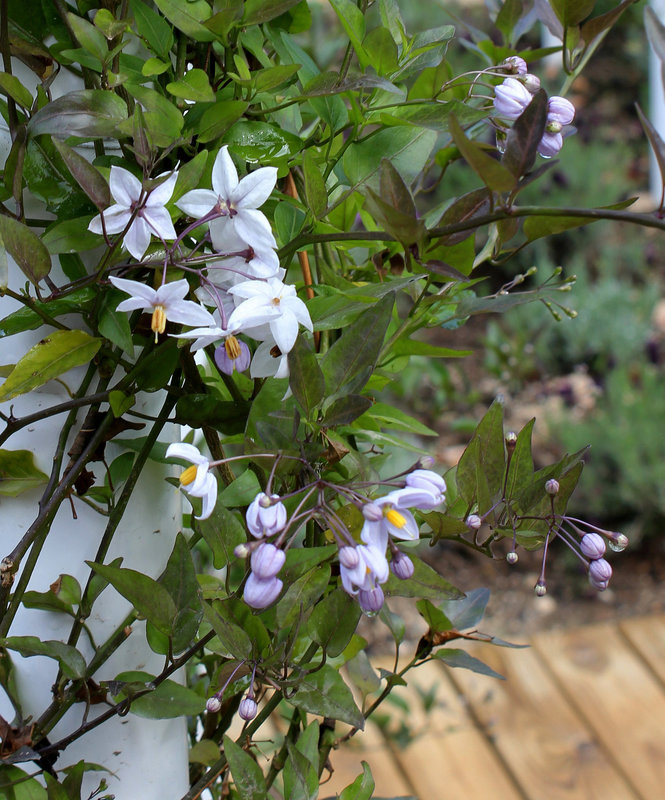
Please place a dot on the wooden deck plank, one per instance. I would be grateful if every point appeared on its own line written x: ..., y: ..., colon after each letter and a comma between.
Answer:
x: 617, y: 694
x: 450, y: 759
x: 647, y: 636
x: 547, y: 746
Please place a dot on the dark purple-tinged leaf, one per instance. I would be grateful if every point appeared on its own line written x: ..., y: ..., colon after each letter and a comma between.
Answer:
x: 233, y: 639
x: 87, y: 176
x: 247, y: 776
x: 492, y: 172
x: 328, y: 83
x: 537, y: 227
x: 344, y: 410
x: 25, y: 248
x: 466, y: 207
x: 425, y: 583
x: 259, y: 11
x: 534, y: 491
x: 89, y: 113
x: 593, y: 28
x: 572, y: 12
x: 468, y: 611
x: 461, y: 659
x: 71, y: 661
x: 525, y: 135
x: 348, y: 364
x: 407, y: 229
x: 520, y: 468
x: 18, y: 472
x: 441, y: 268
x: 324, y: 693
x: 305, y: 377
x: 148, y: 597
x: 482, y: 463
x: 316, y: 193
x: 394, y: 191
x: 333, y: 621
x: 655, y: 32
x: 655, y: 140
x: 465, y: 474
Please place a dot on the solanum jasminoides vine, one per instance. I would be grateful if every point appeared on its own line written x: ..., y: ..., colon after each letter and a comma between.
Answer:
x: 216, y: 256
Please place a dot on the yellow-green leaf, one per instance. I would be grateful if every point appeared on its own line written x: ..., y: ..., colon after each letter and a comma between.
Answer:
x: 18, y: 472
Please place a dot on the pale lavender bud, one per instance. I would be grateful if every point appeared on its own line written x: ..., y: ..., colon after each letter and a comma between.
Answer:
x: 600, y: 586
x: 532, y: 83
x: 516, y: 65
x: 600, y: 570
x: 540, y: 589
x: 348, y: 557
x: 474, y: 522
x: 560, y: 110
x: 550, y: 144
x: 266, y: 515
x: 247, y: 709
x: 592, y: 545
x: 552, y: 487
x: 426, y: 479
x: 372, y: 512
x: 231, y: 355
x: 402, y: 566
x: 426, y: 462
x: 371, y: 601
x: 512, y: 557
x: 261, y: 594
x: 511, y: 98
x: 241, y: 551
x: 213, y: 704
x: 266, y: 561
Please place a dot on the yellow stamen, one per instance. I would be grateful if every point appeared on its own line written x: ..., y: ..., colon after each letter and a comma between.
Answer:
x: 232, y: 347
x: 395, y: 518
x: 188, y: 475
x: 275, y: 301
x: 158, y: 324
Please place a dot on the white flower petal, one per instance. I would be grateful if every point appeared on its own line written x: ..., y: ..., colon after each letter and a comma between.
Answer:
x: 209, y: 498
x: 133, y: 304
x: 137, y: 238
x: 198, y: 202
x: 161, y: 195
x: 115, y: 220
x: 254, y: 189
x: 188, y: 313
x: 186, y: 451
x: 172, y: 292
x: 299, y: 310
x: 136, y: 289
x: 285, y: 332
x: 224, y: 174
x: 159, y: 222
x: 253, y: 226
x: 125, y: 187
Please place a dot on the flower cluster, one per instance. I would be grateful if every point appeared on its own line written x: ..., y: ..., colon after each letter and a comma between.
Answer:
x: 515, y: 93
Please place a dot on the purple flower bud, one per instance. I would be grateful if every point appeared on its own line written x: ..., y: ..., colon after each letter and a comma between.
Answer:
x: 512, y: 557
x: 402, y: 566
x: 511, y: 98
x: 266, y: 561
x: 474, y: 522
x: 598, y: 585
x: 552, y: 487
x: 560, y: 110
x: 550, y: 144
x: 592, y: 545
x: 266, y: 515
x: 532, y: 83
x: 372, y: 512
x: 349, y: 557
x: 516, y: 65
x: 371, y: 600
x: 232, y: 355
x: 247, y: 709
x: 429, y: 481
x: 261, y: 594
x: 600, y: 570
x: 213, y: 704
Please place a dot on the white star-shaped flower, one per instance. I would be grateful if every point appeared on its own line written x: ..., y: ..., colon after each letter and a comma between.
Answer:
x: 269, y: 306
x: 196, y: 480
x: 166, y: 303
x: 237, y: 202
x: 152, y: 218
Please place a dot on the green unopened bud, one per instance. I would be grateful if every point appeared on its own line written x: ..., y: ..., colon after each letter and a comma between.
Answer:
x: 531, y: 271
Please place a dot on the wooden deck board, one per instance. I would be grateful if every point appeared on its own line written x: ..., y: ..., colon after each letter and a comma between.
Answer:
x: 548, y: 748
x: 647, y: 636
x: 618, y: 696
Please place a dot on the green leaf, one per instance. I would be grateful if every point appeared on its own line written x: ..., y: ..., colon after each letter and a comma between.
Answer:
x: 205, y: 751
x: 345, y: 410
x: 48, y: 359
x: 88, y: 113
x: 25, y: 248
x: 148, y: 597
x: 536, y: 227
x: 114, y: 325
x: 433, y: 616
x: 18, y: 472
x: 362, y: 674
x: 349, y: 363
x: 188, y: 17
x: 324, y: 693
x: 241, y: 491
x: 232, y: 637
x: 170, y: 700
x: 89, y: 37
x: 525, y: 135
x: 333, y: 621
x: 301, y: 595
x: 12, y: 87
x: 259, y: 11
x: 305, y: 376
x: 492, y: 173
x: 179, y: 579
x: 194, y: 85
x: 353, y: 22
x: 315, y: 187
x: 483, y: 458
x: 161, y: 117
x: 153, y: 28
x: 70, y: 236
x: 520, y: 468
x: 381, y: 51
x: 70, y: 660
x: 217, y: 119
x: 508, y: 17
x: 363, y: 786
x: 468, y: 611
x: 425, y: 583
x: 462, y: 660
x: 222, y: 532
x: 87, y: 177
x: 15, y: 784
x: 301, y: 779
x: 572, y: 12
x: 464, y: 208
x: 261, y: 142
x: 393, y: 419
x: 247, y: 775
